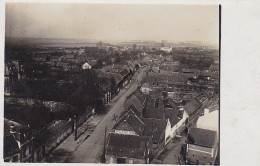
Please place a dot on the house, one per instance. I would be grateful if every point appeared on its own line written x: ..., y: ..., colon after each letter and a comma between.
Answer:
x: 135, y: 102
x: 86, y: 66
x: 168, y: 111
x: 137, y: 109
x: 201, y: 147
x: 178, y: 120
x: 191, y: 108
x: 129, y: 124
x: 126, y: 74
x: 16, y: 145
x: 164, y: 79
x: 121, y: 74
x: 13, y: 72
x: 128, y: 149
x: 8, y: 74
x: 158, y: 129
x: 210, y: 119
x: 119, y: 81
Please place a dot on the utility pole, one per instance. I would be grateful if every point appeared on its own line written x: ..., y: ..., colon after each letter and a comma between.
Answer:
x: 76, y: 127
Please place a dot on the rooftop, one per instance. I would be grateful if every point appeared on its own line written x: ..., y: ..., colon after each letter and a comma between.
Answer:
x: 192, y: 105
x: 130, y: 121
x: 155, y: 128
x: 202, y: 137
x: 127, y: 145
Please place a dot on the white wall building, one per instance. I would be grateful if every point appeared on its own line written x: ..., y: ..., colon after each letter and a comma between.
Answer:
x: 209, y: 121
x: 86, y: 66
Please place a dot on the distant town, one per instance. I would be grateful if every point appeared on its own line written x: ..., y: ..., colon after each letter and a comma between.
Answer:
x: 132, y: 102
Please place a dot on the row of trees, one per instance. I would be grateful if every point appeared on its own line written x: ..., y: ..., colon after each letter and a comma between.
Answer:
x: 80, y: 93
x: 200, y: 63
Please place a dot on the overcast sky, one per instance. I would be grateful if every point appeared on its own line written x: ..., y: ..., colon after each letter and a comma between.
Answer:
x: 177, y: 23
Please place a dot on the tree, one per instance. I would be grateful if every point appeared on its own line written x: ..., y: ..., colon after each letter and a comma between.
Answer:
x: 38, y: 116
x: 113, y: 86
x: 118, y: 59
x: 85, y: 92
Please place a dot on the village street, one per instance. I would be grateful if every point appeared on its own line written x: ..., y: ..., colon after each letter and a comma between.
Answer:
x: 89, y: 146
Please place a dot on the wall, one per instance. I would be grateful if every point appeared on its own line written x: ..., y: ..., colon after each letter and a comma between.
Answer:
x: 179, y: 127
x: 204, y: 155
x: 168, y: 132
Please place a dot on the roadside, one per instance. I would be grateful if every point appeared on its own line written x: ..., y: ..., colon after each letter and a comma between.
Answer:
x: 64, y: 152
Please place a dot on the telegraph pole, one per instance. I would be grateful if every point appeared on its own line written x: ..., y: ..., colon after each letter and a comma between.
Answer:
x: 76, y: 128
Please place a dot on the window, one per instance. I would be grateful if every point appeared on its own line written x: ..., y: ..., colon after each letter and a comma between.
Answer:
x: 193, y: 155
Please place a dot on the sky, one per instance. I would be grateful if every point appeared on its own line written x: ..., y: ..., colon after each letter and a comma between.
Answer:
x: 113, y: 22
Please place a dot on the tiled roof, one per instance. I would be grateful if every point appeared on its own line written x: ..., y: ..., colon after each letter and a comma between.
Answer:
x: 133, y: 121
x: 154, y: 113
x: 124, y: 72
x: 165, y: 78
x: 127, y: 145
x: 192, y: 106
x: 133, y: 100
x: 174, y: 115
x: 118, y: 78
x: 202, y: 137
x: 139, y: 95
x: 133, y: 108
x: 155, y: 128
x: 170, y: 102
x: 137, y: 99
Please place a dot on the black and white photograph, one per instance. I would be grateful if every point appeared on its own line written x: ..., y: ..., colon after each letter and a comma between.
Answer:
x: 112, y: 83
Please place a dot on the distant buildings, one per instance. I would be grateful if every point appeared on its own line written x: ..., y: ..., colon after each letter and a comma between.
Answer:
x: 116, y: 77
x: 14, y: 72
x: 166, y: 49
x: 86, y: 66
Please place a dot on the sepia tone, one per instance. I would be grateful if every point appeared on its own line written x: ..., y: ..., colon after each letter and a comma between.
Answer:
x: 112, y: 83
